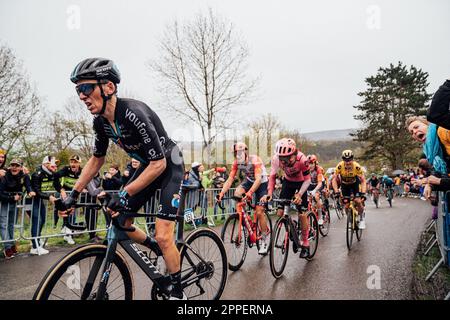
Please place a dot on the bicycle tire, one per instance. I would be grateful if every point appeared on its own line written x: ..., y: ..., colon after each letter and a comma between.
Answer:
x: 313, y: 235
x: 60, y: 268
x: 219, y: 264
x: 258, y: 232
x: 338, y: 209
x: 325, y: 227
x: 349, y: 230
x: 282, y: 246
x: 232, y: 243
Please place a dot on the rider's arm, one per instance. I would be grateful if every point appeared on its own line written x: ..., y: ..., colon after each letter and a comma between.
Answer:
x: 227, y: 184
x: 258, y: 178
x: 438, y: 111
x: 272, y: 176
x: 305, y: 185
x: 319, y: 182
x: 153, y: 171
x: 363, y: 184
x: 89, y: 172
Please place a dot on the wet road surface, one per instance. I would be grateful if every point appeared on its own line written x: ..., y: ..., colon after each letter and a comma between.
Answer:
x: 387, y: 248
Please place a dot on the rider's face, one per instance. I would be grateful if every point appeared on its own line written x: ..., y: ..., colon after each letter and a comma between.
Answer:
x: 418, y: 131
x: 241, y: 156
x: 94, y: 101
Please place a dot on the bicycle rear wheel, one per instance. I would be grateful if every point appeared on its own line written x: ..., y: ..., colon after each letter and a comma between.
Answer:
x: 349, y: 230
x: 76, y: 276
x: 234, y: 237
x: 268, y: 232
x: 279, y: 249
x: 203, y: 265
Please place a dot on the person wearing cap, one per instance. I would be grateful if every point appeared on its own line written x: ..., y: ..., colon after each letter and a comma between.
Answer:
x: 64, y: 180
x: 112, y: 180
x: 2, y: 162
x: 194, y: 184
x: 42, y: 183
x: 11, y: 188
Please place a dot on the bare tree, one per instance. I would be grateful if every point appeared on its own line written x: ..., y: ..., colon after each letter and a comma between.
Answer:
x: 202, y: 73
x: 19, y: 103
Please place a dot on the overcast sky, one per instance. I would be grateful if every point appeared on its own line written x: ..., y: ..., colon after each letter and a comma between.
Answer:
x: 312, y: 56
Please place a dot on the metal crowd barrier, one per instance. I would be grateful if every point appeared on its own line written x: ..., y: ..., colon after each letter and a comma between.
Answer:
x: 36, y: 219
x: 441, y: 235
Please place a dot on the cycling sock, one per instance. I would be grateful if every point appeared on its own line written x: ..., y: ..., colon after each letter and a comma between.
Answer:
x: 177, y: 290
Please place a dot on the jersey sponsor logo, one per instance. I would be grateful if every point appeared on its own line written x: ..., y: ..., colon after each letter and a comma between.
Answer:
x: 133, y: 147
x: 140, y: 126
x: 152, y: 153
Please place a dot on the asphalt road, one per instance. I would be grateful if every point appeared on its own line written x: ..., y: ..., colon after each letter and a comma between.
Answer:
x: 378, y: 267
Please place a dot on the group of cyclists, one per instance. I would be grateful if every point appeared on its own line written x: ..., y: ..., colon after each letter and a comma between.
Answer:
x: 137, y: 129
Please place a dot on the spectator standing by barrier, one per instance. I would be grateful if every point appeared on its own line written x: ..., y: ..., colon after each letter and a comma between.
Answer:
x: 112, y: 180
x: 2, y: 162
x: 12, y: 185
x: 64, y: 180
x: 130, y: 170
x: 194, y: 183
x: 94, y: 191
x: 42, y: 182
x: 397, y: 182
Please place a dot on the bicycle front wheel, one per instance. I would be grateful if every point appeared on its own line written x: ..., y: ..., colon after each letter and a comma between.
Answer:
x: 349, y: 230
x: 279, y: 249
x: 203, y: 265
x: 234, y: 237
x: 77, y: 275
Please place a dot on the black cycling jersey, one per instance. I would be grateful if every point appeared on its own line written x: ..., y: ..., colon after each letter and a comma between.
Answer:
x: 139, y: 132
x: 374, y: 182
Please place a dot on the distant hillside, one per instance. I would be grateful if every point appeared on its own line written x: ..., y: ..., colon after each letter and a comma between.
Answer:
x: 330, y: 135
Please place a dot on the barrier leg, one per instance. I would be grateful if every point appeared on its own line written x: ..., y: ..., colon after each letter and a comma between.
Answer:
x: 431, y: 225
x: 432, y: 238
x: 436, y: 267
x: 430, y: 247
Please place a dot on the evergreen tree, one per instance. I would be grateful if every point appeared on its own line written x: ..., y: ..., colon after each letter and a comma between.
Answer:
x: 393, y: 94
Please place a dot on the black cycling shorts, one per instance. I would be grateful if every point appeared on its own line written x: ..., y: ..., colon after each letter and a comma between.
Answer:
x: 169, y: 182
x: 350, y: 189
x: 288, y: 190
x: 259, y: 193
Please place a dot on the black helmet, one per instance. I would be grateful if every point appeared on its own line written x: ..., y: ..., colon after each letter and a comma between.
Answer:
x: 95, y: 69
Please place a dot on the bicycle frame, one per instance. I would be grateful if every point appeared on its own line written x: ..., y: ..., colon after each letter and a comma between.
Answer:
x: 292, y: 228
x: 117, y: 236
x: 249, y: 225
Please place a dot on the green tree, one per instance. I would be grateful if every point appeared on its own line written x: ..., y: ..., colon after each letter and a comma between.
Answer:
x: 393, y: 94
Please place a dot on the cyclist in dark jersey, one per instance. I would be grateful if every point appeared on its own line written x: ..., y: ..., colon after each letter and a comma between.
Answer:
x: 134, y: 127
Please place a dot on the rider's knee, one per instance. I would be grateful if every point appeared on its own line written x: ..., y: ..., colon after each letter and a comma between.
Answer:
x: 164, y: 239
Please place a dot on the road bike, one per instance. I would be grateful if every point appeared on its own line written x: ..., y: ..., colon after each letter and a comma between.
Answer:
x: 240, y: 232
x: 101, y: 271
x: 352, y: 223
x: 286, y: 229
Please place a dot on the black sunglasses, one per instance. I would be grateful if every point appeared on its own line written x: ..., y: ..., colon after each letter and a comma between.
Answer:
x: 85, y: 88
x: 284, y: 158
